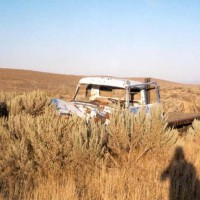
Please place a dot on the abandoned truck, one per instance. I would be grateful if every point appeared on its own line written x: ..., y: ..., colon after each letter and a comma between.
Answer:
x: 98, y: 96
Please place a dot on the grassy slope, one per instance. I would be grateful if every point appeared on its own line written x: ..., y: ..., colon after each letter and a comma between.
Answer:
x: 174, y: 96
x: 26, y: 80
x: 129, y: 171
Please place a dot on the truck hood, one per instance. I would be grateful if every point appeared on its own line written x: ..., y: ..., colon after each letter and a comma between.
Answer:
x: 81, y: 109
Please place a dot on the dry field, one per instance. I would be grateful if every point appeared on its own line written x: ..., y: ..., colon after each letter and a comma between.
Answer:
x: 43, y: 156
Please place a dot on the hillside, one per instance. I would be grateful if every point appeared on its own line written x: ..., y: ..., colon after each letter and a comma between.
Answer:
x: 49, y: 157
x: 63, y: 86
x: 26, y: 80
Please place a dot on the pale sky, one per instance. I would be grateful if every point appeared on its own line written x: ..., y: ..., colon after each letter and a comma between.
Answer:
x: 125, y: 38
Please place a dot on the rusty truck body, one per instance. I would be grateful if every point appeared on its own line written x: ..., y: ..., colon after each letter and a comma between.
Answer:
x: 99, y: 96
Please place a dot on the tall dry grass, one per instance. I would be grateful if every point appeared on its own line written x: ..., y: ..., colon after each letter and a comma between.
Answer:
x: 44, y: 156
x: 180, y: 99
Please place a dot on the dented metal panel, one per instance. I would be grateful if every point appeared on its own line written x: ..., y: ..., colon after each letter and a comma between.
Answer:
x: 102, y: 95
x: 109, y: 82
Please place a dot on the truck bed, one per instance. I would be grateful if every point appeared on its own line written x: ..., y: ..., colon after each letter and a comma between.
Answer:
x: 179, y: 119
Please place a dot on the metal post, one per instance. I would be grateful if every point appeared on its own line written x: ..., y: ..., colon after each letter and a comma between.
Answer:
x: 147, y: 87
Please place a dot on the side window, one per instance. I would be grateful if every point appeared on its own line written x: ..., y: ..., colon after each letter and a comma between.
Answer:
x: 105, y: 91
x: 88, y: 91
x: 84, y: 93
x: 151, y: 94
x: 113, y: 92
x: 135, y: 96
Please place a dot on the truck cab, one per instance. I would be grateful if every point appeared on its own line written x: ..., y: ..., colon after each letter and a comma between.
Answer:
x: 100, y: 95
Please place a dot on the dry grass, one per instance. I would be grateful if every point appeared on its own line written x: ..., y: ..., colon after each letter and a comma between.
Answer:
x: 174, y: 96
x: 181, y: 99
x: 43, y: 156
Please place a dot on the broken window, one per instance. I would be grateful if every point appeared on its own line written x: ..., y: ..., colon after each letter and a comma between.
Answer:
x: 135, y: 97
x: 113, y: 92
x: 151, y: 94
x: 84, y: 93
x: 105, y: 95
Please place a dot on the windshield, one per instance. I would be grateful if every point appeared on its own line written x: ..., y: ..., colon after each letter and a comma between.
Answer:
x: 102, y: 95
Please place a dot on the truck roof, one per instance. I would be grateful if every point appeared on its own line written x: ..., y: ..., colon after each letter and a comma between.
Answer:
x: 107, y: 81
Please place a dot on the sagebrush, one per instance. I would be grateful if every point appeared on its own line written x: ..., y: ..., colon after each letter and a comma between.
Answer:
x: 45, y: 156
